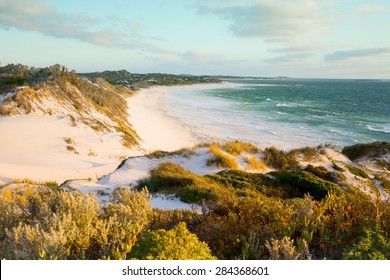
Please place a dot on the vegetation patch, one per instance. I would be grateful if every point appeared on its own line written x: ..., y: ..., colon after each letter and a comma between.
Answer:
x: 130, y: 137
x: 306, y: 182
x: 26, y: 181
x: 309, y: 153
x: 42, y: 223
x: 171, y: 178
x: 221, y: 159
x: 384, y: 164
x: 245, y: 183
x: 244, y: 216
x: 385, y: 183
x: 68, y: 87
x: 255, y: 163
x: 279, y: 159
x: 184, y: 152
x: 69, y: 141
x: 236, y: 148
x: 320, y: 172
x: 71, y: 149
x: 175, y: 244
x: 17, y: 80
x: 337, y: 167
x: 371, y: 150
x: 356, y: 171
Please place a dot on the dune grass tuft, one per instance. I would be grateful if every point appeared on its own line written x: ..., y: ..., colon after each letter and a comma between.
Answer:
x: 221, y: 159
x: 236, y: 148
x: 255, y: 163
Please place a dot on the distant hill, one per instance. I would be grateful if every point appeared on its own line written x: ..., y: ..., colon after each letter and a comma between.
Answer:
x: 136, y: 81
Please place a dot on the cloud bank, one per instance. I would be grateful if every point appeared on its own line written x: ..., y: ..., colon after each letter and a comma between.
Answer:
x: 274, y: 21
x: 356, y: 54
x: 41, y: 17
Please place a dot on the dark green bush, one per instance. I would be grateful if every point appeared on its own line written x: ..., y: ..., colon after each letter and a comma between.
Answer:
x: 306, y: 182
x: 17, y: 80
x: 172, y: 178
x: 371, y: 246
x: 371, y: 150
x: 320, y: 172
x: 279, y: 159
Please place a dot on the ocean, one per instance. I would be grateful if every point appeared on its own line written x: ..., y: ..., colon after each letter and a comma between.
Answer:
x: 287, y: 113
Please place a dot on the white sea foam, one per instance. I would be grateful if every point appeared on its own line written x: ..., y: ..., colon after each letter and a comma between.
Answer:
x: 224, y: 117
x: 380, y: 128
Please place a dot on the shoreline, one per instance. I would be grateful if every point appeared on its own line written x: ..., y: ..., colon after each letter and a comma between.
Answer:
x: 34, y: 147
x: 158, y: 130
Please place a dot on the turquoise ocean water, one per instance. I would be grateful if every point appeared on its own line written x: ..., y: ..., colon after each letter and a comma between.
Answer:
x: 288, y: 112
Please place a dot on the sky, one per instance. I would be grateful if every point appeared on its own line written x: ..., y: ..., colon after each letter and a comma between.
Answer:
x: 296, y: 38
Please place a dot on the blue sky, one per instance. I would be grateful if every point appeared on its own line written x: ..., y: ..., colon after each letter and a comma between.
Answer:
x: 297, y: 38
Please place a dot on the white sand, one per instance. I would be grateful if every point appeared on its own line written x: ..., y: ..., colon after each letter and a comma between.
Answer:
x: 157, y: 130
x: 34, y: 147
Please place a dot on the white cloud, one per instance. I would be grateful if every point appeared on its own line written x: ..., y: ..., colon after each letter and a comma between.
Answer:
x: 45, y: 19
x: 274, y: 21
x: 289, y: 58
x: 356, y: 54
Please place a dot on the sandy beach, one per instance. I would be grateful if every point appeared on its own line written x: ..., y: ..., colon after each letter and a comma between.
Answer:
x: 155, y: 126
x: 156, y: 129
x: 34, y: 147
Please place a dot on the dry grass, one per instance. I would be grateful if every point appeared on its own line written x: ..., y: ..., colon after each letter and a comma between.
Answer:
x: 69, y: 141
x: 220, y: 159
x: 31, y: 182
x: 309, y: 153
x: 184, y: 152
x: 255, y: 163
x: 72, y: 149
x: 236, y: 148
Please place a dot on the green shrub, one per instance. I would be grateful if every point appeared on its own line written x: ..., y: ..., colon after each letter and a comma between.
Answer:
x: 279, y: 159
x: 320, y: 172
x: 17, y: 80
x: 337, y: 167
x: 372, y: 246
x: 192, y: 194
x: 338, y: 220
x: 42, y: 223
x: 169, y: 177
x: 266, y: 184
x: 371, y: 150
x: 356, y: 171
x: 175, y: 244
x: 306, y: 182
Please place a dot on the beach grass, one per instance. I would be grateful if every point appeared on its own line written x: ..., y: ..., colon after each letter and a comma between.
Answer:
x: 236, y: 148
x: 220, y: 159
x: 255, y: 163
